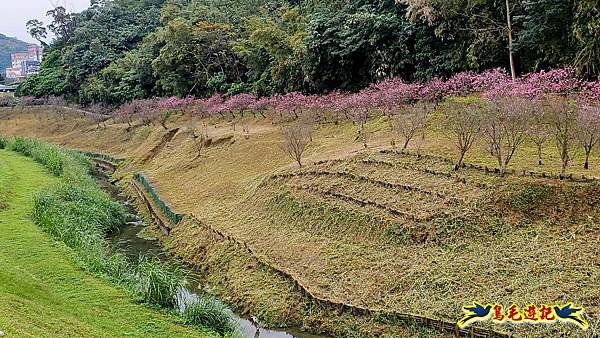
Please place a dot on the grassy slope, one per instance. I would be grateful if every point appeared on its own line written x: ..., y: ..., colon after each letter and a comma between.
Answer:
x: 41, y: 292
x: 346, y: 263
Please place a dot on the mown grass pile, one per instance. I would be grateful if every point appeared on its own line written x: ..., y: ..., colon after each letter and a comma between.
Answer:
x: 79, y: 213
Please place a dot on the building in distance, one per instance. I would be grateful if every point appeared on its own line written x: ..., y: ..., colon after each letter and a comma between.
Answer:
x: 24, y: 64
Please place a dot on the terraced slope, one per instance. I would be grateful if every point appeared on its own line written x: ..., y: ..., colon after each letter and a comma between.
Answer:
x: 407, y: 233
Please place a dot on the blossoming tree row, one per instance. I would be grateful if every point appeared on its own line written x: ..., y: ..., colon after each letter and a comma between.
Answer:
x: 490, y: 106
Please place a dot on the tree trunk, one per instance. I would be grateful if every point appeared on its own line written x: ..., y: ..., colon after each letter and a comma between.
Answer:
x: 406, y: 144
x: 586, y: 165
x: 460, y: 161
x: 539, y: 151
x: 502, y: 170
x: 510, y: 42
x: 564, y: 158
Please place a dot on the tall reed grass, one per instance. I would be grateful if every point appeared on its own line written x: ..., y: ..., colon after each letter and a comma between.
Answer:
x: 158, y: 282
x: 58, y: 161
x: 210, y: 312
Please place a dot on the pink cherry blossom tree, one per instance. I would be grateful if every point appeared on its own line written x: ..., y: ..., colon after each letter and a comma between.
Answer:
x: 260, y: 105
x: 215, y: 105
x: 240, y: 103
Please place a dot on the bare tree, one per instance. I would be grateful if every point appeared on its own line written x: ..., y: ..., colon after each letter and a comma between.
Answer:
x: 539, y: 130
x: 296, y: 139
x: 411, y: 121
x: 198, y: 136
x: 588, y: 128
x: 245, y: 130
x: 505, y: 125
x: 463, y: 122
x: 163, y: 118
x: 564, y: 126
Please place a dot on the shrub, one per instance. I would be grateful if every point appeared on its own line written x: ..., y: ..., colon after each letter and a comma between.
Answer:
x: 530, y: 197
x: 8, y: 100
x: 22, y: 145
x: 210, y: 312
x: 3, y: 142
x: 89, y: 204
x: 158, y: 282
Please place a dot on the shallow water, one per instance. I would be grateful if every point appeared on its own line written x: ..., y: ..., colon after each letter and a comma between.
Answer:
x: 133, y: 240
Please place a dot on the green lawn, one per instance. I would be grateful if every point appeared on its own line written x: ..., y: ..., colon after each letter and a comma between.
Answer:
x: 42, y: 292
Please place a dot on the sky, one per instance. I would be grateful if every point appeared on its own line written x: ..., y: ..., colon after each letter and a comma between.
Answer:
x: 14, y: 14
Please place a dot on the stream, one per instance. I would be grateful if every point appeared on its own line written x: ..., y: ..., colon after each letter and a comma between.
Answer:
x: 133, y: 240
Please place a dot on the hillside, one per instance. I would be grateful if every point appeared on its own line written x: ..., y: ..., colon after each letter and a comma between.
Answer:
x: 370, y: 227
x: 168, y: 48
x: 9, y: 45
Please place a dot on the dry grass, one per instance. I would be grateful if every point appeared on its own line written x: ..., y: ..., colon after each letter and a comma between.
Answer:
x: 495, y: 241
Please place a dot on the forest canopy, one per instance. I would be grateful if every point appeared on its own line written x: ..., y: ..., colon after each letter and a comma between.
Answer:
x: 121, y: 50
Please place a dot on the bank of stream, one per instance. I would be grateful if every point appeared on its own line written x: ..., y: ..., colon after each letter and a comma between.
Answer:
x: 134, y: 239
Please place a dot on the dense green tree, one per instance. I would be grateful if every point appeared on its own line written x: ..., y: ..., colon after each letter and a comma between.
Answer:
x: 586, y: 32
x: 192, y: 54
x: 274, y: 51
x: 51, y: 80
x: 352, y: 46
x: 36, y: 29
x: 127, y: 78
x: 484, y: 28
x: 120, y: 50
x: 544, y: 38
x: 102, y: 36
x: 63, y: 23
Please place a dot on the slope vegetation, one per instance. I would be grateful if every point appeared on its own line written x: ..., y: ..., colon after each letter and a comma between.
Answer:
x: 42, y: 292
x: 371, y: 227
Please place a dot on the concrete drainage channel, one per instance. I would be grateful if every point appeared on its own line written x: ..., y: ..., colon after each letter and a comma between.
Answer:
x: 132, y: 240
